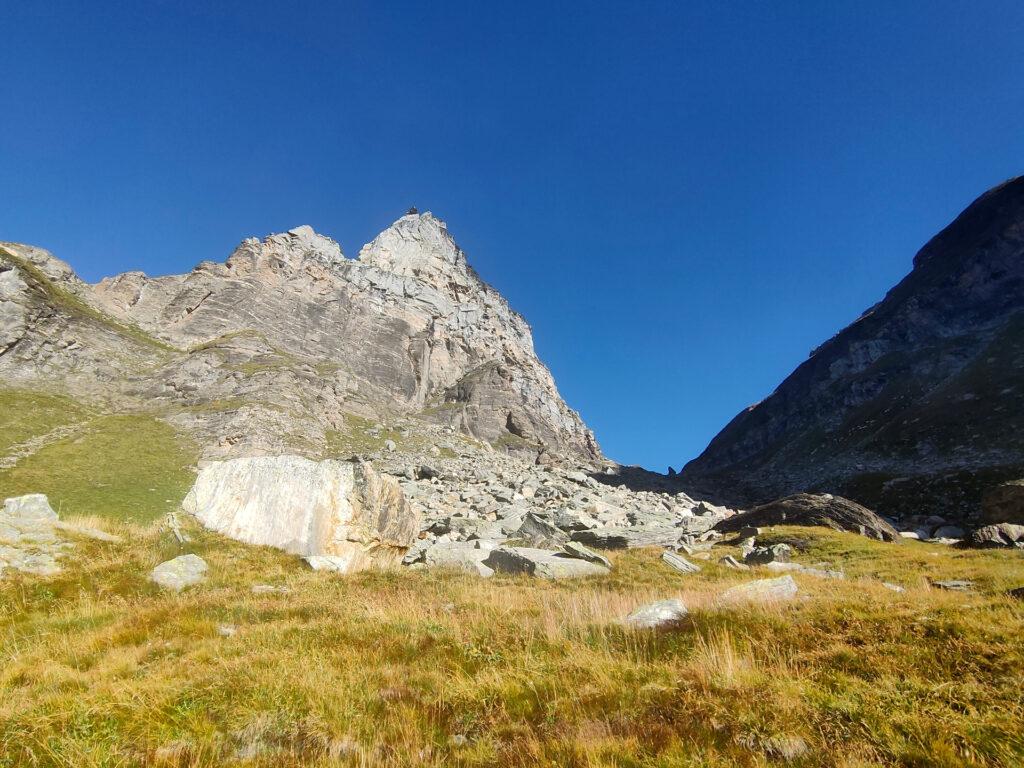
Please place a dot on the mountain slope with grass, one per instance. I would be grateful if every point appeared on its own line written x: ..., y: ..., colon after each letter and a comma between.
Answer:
x: 918, y: 406
x: 277, y: 348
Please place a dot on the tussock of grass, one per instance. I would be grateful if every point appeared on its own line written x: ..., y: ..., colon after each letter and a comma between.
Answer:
x: 101, y: 668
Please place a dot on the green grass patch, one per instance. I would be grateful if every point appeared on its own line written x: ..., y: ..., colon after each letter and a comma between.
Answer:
x: 26, y: 414
x: 126, y: 467
x: 358, y: 436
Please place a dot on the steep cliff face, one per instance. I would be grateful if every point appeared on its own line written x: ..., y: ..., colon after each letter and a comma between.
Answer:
x: 917, y: 405
x: 273, y: 348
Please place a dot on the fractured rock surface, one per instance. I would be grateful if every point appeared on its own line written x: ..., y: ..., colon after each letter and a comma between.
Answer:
x: 340, y: 510
x: 918, y: 404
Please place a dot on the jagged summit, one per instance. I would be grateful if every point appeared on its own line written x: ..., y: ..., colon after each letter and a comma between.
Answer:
x: 417, y: 245
x: 270, y: 349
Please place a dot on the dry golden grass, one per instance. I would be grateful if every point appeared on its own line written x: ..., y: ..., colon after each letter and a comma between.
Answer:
x: 401, y: 668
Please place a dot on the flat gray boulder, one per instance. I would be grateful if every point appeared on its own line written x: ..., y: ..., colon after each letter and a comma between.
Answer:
x: 761, y: 591
x: 179, y: 573
x: 343, y: 510
x: 540, y: 562
x: 612, y: 537
x: 654, y: 615
x: 466, y: 556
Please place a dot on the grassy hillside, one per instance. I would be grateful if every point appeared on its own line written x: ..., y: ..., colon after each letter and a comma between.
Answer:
x: 124, y: 467
x: 405, y: 668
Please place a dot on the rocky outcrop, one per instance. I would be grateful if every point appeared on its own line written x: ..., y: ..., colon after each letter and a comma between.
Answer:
x: 270, y: 351
x: 998, y: 535
x: 824, y: 509
x: 915, y: 405
x: 33, y: 538
x: 1004, y: 503
x: 337, y: 509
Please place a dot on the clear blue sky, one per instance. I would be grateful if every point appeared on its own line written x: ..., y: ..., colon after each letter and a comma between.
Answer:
x: 683, y: 198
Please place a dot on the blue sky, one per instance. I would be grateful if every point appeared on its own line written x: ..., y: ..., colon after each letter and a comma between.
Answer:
x: 682, y: 198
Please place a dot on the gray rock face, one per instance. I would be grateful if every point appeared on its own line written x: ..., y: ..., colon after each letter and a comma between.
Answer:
x: 824, y: 509
x: 879, y: 412
x: 664, y: 613
x: 337, y: 509
x: 179, y: 573
x: 540, y: 562
x: 272, y: 347
x: 761, y: 591
x: 1000, y: 535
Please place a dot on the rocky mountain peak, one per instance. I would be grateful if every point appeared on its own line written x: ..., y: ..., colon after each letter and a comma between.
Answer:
x: 418, y: 245
x: 291, y: 249
x: 272, y: 349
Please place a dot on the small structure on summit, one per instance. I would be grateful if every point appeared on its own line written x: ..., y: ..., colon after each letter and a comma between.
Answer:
x: 411, y: 211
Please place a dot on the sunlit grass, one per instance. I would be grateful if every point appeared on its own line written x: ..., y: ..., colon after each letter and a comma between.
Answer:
x: 392, y: 668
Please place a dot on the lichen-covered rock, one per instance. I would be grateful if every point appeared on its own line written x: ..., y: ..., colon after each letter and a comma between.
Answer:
x: 179, y: 573
x: 822, y: 509
x: 339, y: 509
x: 663, y: 613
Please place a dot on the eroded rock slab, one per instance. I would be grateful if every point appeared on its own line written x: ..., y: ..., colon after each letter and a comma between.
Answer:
x: 540, y: 562
x: 337, y: 509
x: 612, y: 537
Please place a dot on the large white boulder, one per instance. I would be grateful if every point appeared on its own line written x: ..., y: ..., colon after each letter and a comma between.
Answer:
x: 340, y: 509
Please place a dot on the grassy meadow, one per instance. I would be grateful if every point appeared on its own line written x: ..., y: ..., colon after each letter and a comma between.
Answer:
x: 98, y: 667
